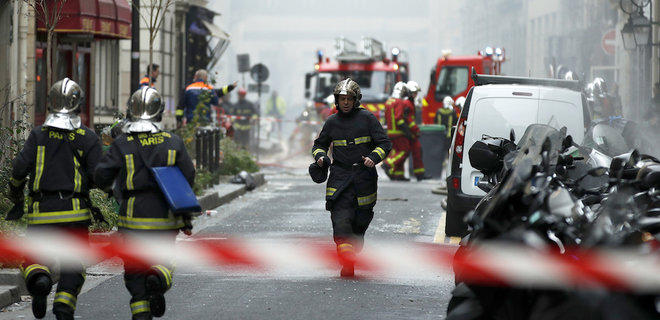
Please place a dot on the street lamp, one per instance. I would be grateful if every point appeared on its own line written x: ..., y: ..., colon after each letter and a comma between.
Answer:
x: 628, y: 35
x: 641, y: 30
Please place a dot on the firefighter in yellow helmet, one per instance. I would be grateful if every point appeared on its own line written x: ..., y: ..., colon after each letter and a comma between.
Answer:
x: 144, y: 213
x: 359, y: 143
x: 59, y: 157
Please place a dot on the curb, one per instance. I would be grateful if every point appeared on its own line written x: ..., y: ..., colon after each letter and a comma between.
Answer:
x: 218, y: 198
x: 9, y: 295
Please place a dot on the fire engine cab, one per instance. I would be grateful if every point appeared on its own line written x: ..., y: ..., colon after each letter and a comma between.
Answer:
x: 451, y: 77
x: 370, y: 67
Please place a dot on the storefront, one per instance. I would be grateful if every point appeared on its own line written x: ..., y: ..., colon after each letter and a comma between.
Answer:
x: 87, y: 51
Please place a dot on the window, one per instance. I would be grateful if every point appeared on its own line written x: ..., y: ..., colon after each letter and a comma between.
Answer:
x: 374, y: 85
x: 451, y: 82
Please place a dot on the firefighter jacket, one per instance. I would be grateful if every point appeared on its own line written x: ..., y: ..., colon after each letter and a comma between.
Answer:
x: 396, y: 117
x: 409, y: 117
x: 245, y: 111
x: 192, y: 95
x: 142, y: 204
x: 447, y: 117
x: 353, y: 135
x: 60, y: 164
x: 275, y: 107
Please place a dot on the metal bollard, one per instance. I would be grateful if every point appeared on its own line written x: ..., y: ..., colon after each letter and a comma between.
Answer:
x: 216, y: 148
x: 209, y: 149
x: 198, y: 148
x: 205, y: 146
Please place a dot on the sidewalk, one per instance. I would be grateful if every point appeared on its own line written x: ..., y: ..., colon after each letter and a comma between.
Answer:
x: 12, y: 286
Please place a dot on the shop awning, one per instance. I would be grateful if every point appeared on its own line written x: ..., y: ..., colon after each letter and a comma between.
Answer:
x: 218, y: 47
x: 215, y: 31
x: 103, y: 18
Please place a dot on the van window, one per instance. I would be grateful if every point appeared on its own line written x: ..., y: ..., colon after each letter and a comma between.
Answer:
x: 451, y: 81
x: 497, y: 116
x: 559, y: 114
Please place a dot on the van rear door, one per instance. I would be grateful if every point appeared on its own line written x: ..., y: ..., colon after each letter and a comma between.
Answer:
x: 495, y: 112
x: 562, y: 107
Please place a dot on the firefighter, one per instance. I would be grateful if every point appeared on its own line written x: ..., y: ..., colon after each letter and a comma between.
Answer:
x: 448, y: 117
x: 398, y: 132
x: 59, y: 157
x: 150, y: 81
x: 144, y: 212
x: 247, y: 114
x: 415, y: 145
x: 359, y: 143
x: 276, y: 107
x: 192, y: 94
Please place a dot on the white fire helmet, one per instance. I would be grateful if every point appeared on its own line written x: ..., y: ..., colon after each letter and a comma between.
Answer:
x: 448, y: 103
x: 460, y: 101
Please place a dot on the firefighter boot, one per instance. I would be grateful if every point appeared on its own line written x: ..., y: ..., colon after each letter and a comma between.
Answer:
x: 39, y: 288
x: 61, y: 315
x: 346, y: 254
x: 156, y: 298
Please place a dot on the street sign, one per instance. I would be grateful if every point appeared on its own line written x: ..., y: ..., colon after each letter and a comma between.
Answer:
x: 608, y: 42
x: 243, y: 62
x: 259, y: 72
x: 253, y: 87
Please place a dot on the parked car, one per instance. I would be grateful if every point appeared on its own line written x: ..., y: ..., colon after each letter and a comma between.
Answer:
x: 495, y: 106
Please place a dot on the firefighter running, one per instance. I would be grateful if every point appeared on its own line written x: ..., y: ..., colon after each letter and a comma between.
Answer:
x: 59, y: 157
x: 359, y: 143
x: 144, y: 212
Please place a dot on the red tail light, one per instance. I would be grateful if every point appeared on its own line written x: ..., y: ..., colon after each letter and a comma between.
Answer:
x: 460, y: 138
x: 455, y: 183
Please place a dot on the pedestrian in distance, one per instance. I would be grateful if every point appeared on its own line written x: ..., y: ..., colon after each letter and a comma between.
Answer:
x: 59, y: 157
x: 359, y: 143
x: 150, y: 78
x: 144, y: 212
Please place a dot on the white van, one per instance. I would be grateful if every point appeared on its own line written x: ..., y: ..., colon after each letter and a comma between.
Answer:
x: 495, y: 106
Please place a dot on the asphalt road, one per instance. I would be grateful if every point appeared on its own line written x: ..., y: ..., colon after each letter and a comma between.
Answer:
x: 290, y: 206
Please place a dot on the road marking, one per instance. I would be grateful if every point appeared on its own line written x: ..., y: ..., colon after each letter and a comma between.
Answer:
x: 440, y: 236
x: 440, y: 230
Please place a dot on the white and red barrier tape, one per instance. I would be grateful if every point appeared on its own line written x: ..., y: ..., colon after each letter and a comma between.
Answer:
x: 270, y: 119
x: 491, y: 264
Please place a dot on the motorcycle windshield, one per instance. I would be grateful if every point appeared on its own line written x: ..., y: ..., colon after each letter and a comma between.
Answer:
x: 527, y: 156
x: 533, y: 139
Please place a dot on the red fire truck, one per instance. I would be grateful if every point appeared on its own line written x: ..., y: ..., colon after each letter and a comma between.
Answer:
x: 374, y: 71
x: 451, y: 77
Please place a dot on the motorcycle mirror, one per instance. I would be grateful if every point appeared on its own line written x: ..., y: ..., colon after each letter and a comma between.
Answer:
x: 512, y: 135
x: 545, y: 155
x: 567, y: 142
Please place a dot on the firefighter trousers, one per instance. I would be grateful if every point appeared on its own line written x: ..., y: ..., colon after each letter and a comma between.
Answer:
x: 135, y: 274
x: 72, y: 276
x: 417, y: 163
x: 349, y: 221
x: 396, y: 158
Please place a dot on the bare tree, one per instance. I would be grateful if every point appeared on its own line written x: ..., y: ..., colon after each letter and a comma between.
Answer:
x: 152, y: 16
x: 49, y: 13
